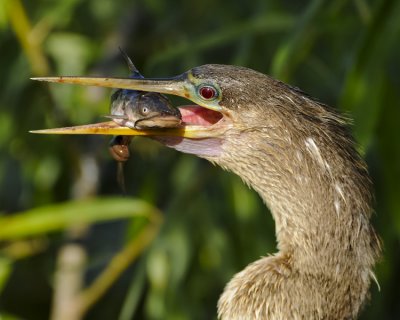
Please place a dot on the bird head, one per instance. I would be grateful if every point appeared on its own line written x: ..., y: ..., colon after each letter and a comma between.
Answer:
x: 233, y: 109
x: 207, y: 117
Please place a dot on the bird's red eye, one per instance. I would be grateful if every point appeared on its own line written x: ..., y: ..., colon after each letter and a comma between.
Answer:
x: 207, y: 92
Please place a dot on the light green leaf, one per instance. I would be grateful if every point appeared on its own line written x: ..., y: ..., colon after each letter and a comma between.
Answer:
x: 56, y: 217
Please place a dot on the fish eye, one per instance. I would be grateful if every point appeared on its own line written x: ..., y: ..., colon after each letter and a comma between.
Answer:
x: 207, y: 92
x: 145, y: 110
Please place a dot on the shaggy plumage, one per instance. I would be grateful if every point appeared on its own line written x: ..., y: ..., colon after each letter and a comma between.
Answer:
x: 299, y: 156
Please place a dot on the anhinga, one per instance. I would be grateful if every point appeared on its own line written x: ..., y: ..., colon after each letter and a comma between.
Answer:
x: 298, y: 154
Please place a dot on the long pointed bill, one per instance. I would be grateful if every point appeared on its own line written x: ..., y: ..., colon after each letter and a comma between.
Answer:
x: 175, y: 86
x: 111, y: 128
x: 179, y: 86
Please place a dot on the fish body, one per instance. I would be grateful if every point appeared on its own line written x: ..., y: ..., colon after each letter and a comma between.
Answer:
x: 138, y: 110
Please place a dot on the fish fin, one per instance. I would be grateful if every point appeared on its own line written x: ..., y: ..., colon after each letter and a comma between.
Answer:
x: 131, y: 66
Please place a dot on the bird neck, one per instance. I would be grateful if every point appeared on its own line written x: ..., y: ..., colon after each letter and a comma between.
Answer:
x: 319, y: 197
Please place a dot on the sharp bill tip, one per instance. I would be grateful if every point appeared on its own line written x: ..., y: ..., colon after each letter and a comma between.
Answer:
x: 43, y: 131
x: 47, y: 79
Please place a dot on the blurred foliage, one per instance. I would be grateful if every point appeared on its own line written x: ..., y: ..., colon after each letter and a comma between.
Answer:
x: 343, y: 52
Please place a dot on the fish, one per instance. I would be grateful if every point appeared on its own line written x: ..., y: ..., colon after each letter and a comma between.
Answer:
x: 141, y: 109
x: 138, y: 110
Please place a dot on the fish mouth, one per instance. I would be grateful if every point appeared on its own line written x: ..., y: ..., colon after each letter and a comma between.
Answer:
x: 156, y: 121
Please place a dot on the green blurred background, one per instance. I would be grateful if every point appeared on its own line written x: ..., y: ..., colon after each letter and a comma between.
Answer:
x: 185, y: 226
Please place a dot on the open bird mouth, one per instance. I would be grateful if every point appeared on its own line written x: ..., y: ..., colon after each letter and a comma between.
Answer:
x: 195, y: 115
x: 200, y: 133
x: 198, y: 121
